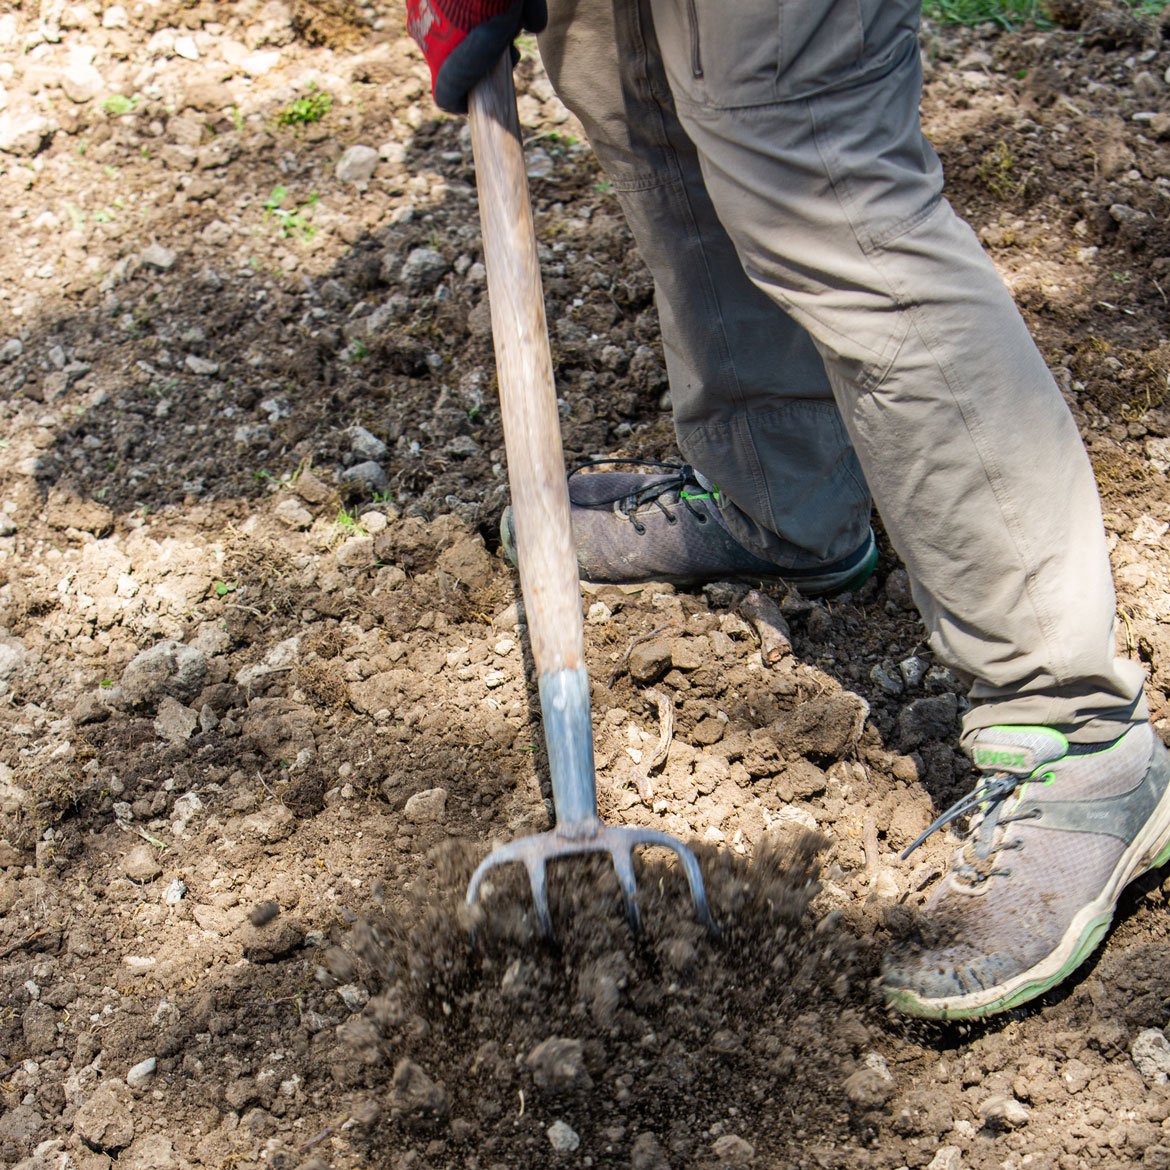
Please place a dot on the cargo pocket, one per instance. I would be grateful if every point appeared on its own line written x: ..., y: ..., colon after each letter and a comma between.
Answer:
x: 751, y: 53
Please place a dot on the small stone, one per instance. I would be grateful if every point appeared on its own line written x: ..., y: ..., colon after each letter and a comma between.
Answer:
x: 368, y: 474
x: 558, y: 1063
x: 357, y: 164
x: 422, y: 270
x: 364, y: 443
x: 81, y: 83
x: 1151, y: 1054
x: 175, y: 892
x: 295, y: 515
x: 157, y: 257
x: 913, y: 670
x: 23, y: 132
x: 563, y: 1138
x: 141, y: 865
x: 946, y: 1158
x: 427, y: 806
x: 11, y: 350
x: 649, y: 661
x: 356, y: 553
x: 169, y: 667
x: 115, y: 17
x: 414, y: 1094
x: 186, y: 48
x: 201, y: 367
x: 142, y: 1073
x: 732, y: 1150
x: 7, y: 525
x: 175, y: 723
x: 1000, y: 1112
x: 868, y: 1088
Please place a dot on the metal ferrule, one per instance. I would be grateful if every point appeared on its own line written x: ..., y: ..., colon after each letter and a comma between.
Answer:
x: 568, y: 732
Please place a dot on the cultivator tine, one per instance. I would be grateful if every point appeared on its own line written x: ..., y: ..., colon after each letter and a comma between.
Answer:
x: 537, y: 878
x: 623, y: 866
x: 535, y: 852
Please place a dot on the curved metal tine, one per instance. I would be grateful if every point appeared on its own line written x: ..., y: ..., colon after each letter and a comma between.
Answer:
x: 623, y: 865
x: 537, y: 879
x: 690, y: 866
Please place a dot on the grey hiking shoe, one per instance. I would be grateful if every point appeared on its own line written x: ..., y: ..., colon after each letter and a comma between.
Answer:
x: 1059, y: 830
x: 666, y: 526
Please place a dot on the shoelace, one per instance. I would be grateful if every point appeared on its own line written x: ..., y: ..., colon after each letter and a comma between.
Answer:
x: 986, y: 799
x: 678, y: 484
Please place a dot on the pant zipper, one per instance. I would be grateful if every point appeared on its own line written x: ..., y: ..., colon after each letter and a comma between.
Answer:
x: 696, y: 56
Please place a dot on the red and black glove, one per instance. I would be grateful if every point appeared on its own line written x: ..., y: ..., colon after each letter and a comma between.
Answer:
x: 463, y: 39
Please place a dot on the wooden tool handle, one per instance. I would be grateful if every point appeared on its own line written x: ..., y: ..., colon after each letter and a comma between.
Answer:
x: 528, y: 400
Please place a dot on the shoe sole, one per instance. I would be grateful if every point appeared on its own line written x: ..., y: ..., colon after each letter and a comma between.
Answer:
x: 1149, y: 851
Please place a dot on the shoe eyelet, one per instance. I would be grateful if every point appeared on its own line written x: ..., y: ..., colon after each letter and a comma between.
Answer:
x: 639, y: 527
x: 671, y: 518
x: 700, y: 519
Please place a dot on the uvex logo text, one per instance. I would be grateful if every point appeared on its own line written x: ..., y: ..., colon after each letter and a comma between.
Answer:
x: 999, y: 758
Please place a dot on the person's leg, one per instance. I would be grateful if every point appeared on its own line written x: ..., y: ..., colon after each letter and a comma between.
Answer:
x: 804, y: 114
x: 753, y: 408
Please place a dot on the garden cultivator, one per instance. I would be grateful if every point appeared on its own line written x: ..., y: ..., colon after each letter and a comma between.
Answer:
x: 540, y: 502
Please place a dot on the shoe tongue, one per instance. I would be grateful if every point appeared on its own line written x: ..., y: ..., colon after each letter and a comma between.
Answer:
x: 1017, y: 750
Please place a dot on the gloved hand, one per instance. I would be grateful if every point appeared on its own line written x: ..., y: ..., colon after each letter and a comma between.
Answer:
x: 463, y: 39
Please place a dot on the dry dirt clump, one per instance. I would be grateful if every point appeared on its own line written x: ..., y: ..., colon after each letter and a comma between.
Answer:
x: 265, y: 694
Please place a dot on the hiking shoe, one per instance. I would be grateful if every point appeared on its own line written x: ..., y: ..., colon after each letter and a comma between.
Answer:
x: 667, y: 526
x: 1059, y: 830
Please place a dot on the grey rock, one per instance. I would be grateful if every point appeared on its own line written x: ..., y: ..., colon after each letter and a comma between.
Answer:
x: 1151, y: 1055
x: 175, y: 892
x: 647, y: 1153
x: 357, y: 164
x: 1000, y: 1112
x: 558, y: 1063
x: 369, y: 474
x: 142, y: 1073
x: 167, y: 667
x: 175, y: 722
x: 562, y: 1137
x: 946, y: 1158
x: 413, y: 1093
x: 11, y: 350
x: 362, y: 442
x: 428, y: 806
x: 422, y: 270
x: 157, y: 257
x: 13, y: 657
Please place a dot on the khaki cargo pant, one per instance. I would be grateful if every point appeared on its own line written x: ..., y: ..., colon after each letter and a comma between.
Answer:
x: 833, y: 329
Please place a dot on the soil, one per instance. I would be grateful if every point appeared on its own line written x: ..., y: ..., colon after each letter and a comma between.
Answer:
x: 264, y: 691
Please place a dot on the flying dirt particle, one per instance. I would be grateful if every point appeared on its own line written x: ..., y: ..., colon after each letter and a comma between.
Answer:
x: 263, y: 913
